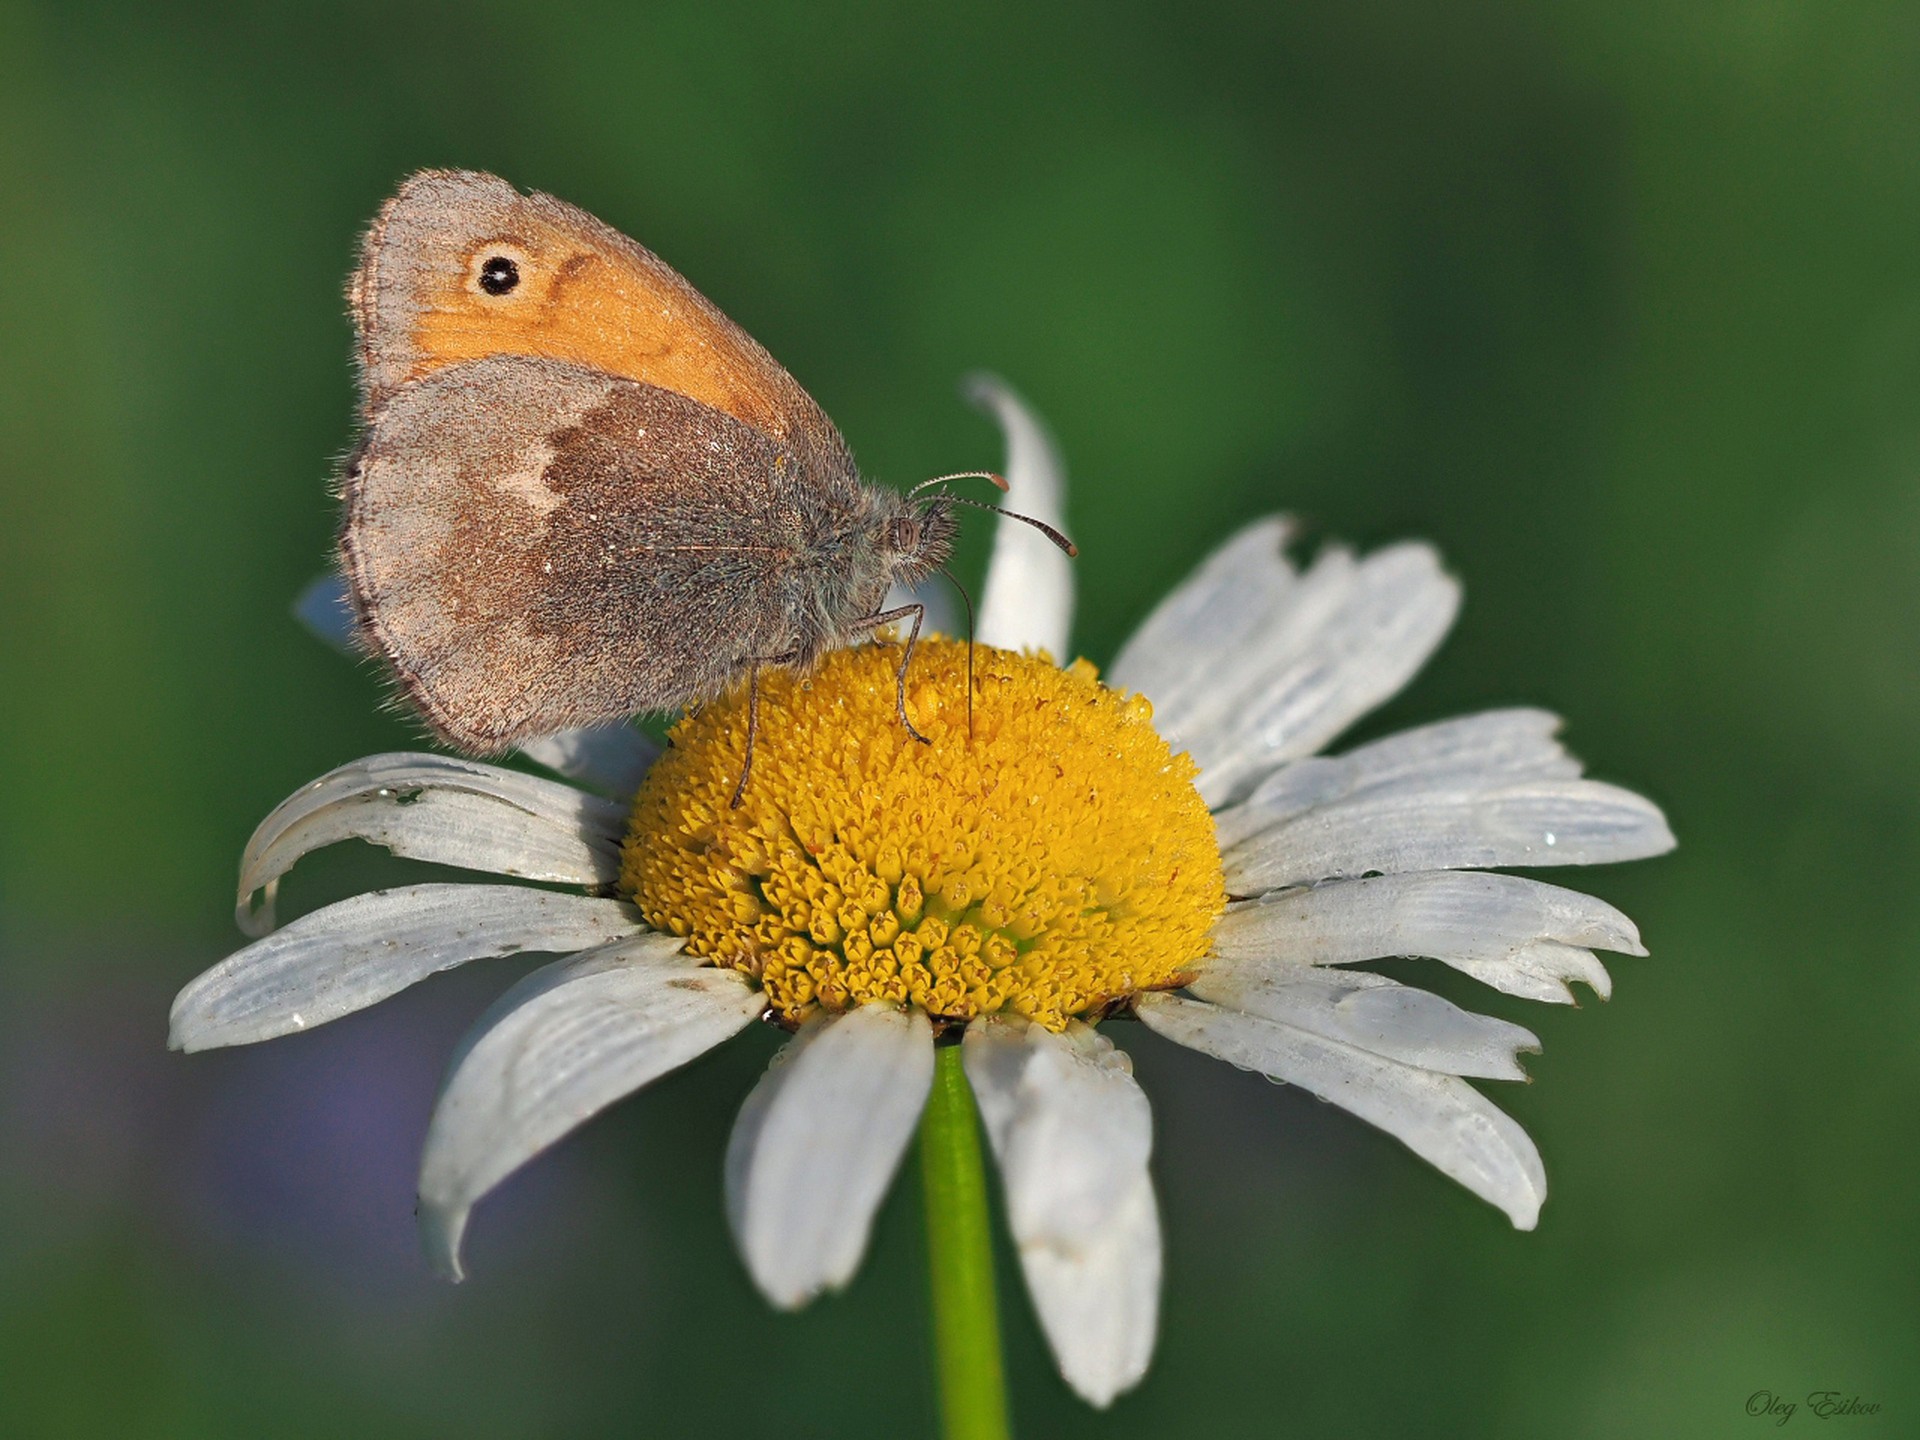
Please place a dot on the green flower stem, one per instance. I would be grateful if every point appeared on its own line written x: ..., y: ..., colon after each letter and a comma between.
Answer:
x: 966, y: 1321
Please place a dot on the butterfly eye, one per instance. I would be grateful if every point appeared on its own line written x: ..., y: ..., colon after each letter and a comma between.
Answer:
x: 498, y: 275
x: 903, y: 535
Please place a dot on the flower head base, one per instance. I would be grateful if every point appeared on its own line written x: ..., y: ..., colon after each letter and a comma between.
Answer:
x: 1046, y: 860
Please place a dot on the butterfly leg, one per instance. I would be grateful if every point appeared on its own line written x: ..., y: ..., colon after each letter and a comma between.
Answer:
x: 887, y: 617
x: 753, y: 719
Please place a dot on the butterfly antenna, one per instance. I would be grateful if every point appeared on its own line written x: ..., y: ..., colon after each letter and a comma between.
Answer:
x: 1045, y: 529
x: 999, y: 483
x: 967, y: 601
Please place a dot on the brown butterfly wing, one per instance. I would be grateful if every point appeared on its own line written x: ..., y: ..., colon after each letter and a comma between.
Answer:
x: 583, y: 293
x: 536, y: 544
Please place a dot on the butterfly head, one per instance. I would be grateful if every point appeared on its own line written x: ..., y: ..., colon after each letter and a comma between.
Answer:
x: 926, y: 527
x: 916, y: 539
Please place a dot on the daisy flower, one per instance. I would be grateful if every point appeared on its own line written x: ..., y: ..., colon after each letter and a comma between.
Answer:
x: 1165, y: 843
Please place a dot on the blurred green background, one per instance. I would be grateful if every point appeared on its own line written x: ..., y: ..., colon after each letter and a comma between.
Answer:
x: 1618, y: 302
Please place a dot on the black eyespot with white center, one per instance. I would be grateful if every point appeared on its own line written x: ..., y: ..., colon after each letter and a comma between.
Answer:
x: 498, y: 275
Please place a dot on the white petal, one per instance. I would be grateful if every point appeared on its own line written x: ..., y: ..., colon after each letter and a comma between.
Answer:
x: 1372, y: 1013
x: 1542, y: 970
x: 556, y: 1049
x: 1520, y: 936
x: 1066, y: 1120
x: 1191, y: 637
x: 348, y: 956
x: 1249, y: 664
x: 439, y: 808
x: 1028, y: 600
x: 612, y: 758
x: 817, y: 1143
x: 1443, y: 1120
x: 1344, y: 650
x: 1099, y: 1302
x: 1502, y: 744
x: 326, y: 609
x: 1072, y: 1132
x: 1450, y: 823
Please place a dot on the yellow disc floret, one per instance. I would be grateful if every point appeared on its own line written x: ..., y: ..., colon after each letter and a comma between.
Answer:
x: 1053, y: 861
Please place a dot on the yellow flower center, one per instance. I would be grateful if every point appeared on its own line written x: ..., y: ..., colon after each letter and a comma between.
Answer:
x: 1051, y: 863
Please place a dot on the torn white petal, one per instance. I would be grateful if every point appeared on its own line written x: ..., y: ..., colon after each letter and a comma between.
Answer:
x: 816, y: 1145
x: 1072, y: 1131
x: 612, y: 758
x: 1442, y: 1119
x: 348, y: 956
x: 1450, y: 823
x: 556, y: 1049
x: 1521, y: 936
x: 442, y: 809
x: 1543, y: 970
x: 1372, y: 1012
x: 1028, y: 599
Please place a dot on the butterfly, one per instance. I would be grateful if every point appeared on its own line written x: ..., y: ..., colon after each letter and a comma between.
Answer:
x: 581, y: 492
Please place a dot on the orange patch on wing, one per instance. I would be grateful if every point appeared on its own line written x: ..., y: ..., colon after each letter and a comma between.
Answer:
x: 593, y: 305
